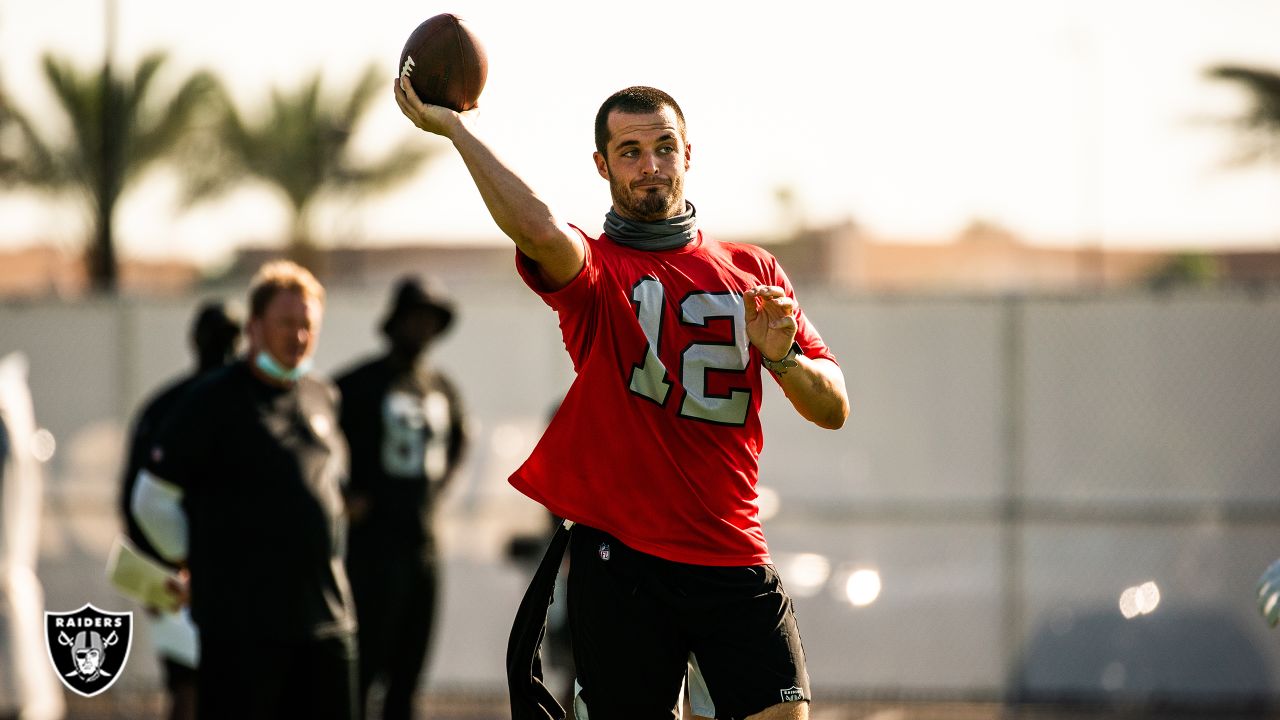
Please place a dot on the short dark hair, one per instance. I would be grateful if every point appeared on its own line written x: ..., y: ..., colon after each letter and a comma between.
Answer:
x: 636, y: 100
x: 215, y: 328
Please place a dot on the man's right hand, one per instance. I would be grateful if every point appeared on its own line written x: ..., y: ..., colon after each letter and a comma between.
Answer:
x: 179, y: 590
x: 434, y: 119
x: 524, y: 217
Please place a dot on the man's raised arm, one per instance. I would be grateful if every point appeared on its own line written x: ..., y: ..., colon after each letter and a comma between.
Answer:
x: 554, y: 246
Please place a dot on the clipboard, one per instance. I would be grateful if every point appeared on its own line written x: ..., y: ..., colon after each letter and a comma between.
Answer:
x: 140, y: 577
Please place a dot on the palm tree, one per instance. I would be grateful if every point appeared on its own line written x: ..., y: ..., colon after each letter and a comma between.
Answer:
x: 301, y: 144
x: 1260, y: 125
x: 119, y: 127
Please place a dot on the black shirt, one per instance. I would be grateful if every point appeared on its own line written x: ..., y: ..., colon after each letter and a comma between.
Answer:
x: 262, y: 469
x: 406, y: 432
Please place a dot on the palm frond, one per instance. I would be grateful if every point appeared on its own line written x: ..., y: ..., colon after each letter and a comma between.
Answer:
x: 1258, y: 127
x: 369, y: 87
x: 299, y: 141
x: 162, y: 128
x: 80, y: 97
x: 26, y: 159
x: 402, y: 163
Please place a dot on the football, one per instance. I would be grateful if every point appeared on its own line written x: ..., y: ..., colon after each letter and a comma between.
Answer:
x: 445, y: 62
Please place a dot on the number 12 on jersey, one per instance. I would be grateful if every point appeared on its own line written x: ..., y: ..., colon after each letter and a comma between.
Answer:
x: 650, y: 379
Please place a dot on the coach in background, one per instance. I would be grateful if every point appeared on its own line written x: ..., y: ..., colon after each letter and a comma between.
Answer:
x: 215, y: 336
x: 406, y: 429
x: 244, y: 485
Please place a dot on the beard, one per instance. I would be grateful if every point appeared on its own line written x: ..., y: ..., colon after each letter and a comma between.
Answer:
x: 648, y: 203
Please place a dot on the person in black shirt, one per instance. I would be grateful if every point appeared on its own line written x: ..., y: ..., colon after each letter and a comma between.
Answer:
x: 244, y: 484
x: 215, y: 335
x: 406, y: 429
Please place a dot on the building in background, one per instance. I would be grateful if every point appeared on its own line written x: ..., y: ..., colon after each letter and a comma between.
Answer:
x: 45, y: 270
x: 984, y: 258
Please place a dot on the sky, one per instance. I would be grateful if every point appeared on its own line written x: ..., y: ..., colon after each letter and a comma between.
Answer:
x: 1067, y: 121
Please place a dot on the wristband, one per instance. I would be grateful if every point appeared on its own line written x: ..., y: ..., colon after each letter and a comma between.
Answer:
x: 785, y: 363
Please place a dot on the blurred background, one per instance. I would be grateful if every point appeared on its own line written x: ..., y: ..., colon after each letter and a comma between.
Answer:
x: 1042, y: 238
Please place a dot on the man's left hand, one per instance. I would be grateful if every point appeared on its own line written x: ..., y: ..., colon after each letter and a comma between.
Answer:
x: 771, y: 322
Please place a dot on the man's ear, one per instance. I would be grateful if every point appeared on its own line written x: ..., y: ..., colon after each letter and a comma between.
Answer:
x: 602, y: 165
x: 688, y: 154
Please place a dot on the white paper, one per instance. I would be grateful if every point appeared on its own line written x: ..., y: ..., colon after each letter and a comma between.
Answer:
x: 174, y: 636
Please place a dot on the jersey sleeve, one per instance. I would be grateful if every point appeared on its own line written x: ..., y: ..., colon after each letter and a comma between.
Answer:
x: 184, y: 441
x: 574, y: 303
x: 137, y: 451
x: 807, y: 336
x: 141, y: 440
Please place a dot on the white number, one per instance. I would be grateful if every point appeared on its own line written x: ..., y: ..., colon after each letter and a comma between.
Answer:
x: 413, y: 435
x: 650, y: 380
x: 699, y: 358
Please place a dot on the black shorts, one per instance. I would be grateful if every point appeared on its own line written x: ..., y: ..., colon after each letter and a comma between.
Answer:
x: 637, y: 621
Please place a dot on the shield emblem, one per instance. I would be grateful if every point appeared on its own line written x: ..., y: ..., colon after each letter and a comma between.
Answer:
x: 88, y: 647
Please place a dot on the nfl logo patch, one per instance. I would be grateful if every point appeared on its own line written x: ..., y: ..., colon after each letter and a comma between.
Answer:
x: 604, y: 551
x: 88, y: 647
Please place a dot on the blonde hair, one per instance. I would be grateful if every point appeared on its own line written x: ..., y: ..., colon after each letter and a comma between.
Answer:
x: 279, y: 275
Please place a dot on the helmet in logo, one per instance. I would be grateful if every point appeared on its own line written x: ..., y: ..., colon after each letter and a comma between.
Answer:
x: 88, y: 651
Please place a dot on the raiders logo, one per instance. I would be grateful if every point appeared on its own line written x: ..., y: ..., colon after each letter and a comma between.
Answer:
x: 88, y: 647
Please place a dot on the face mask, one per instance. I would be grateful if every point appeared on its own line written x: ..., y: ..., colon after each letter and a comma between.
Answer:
x: 274, y: 370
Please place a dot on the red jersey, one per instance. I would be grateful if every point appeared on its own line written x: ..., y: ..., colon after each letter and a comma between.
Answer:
x: 658, y: 440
